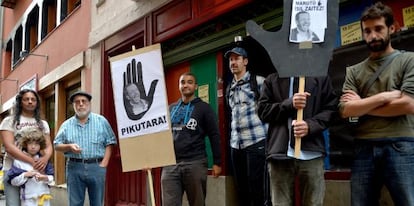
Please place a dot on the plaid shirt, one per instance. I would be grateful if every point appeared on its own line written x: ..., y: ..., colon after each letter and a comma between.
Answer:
x: 92, y: 137
x: 246, y: 127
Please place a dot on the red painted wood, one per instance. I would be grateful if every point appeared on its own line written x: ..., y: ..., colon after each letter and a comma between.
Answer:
x: 180, y: 16
x: 222, y: 115
x: 397, y: 7
x: 127, y: 188
x: 172, y: 75
x: 170, y: 17
x: 338, y: 175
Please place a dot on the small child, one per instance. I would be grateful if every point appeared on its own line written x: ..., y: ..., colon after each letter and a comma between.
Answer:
x: 34, y: 185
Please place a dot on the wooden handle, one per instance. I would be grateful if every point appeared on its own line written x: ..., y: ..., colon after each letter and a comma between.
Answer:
x: 299, y: 117
x: 151, y: 187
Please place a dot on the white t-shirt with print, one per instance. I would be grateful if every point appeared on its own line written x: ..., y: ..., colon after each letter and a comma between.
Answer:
x: 25, y: 122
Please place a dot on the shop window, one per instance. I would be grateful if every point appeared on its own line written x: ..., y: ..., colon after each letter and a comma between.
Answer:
x: 68, y: 6
x: 18, y: 45
x: 48, y: 17
x: 32, y: 25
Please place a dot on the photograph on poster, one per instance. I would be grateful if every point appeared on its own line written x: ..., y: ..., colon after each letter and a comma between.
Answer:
x: 139, y: 94
x: 136, y: 101
x: 308, y: 21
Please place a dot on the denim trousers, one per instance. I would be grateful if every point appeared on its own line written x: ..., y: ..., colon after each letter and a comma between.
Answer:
x: 248, y: 170
x: 383, y: 163
x: 310, y: 174
x: 85, y: 176
x: 12, y: 193
x: 190, y: 177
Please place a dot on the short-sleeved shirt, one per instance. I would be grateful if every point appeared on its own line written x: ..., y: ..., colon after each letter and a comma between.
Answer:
x: 92, y: 137
x: 398, y: 75
x: 25, y: 123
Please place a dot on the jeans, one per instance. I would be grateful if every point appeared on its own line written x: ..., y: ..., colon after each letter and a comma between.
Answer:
x: 85, y: 176
x: 12, y: 193
x: 310, y: 174
x: 190, y: 177
x: 383, y: 163
x: 248, y: 168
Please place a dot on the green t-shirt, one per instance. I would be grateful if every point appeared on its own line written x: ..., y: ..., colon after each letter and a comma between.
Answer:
x: 398, y: 75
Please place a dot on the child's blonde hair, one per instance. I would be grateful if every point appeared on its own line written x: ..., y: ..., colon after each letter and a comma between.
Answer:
x: 32, y: 135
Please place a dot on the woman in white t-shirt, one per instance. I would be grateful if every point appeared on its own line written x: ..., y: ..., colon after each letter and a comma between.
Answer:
x: 25, y: 114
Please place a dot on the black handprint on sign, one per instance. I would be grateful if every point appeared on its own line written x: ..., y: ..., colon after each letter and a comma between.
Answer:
x: 136, y: 101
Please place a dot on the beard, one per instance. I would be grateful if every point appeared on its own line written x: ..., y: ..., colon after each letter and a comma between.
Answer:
x: 378, y: 45
x: 82, y: 114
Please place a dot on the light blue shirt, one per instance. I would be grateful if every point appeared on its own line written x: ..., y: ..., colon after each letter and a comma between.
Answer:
x: 92, y: 137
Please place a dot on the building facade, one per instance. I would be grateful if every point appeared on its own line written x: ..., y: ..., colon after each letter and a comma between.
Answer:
x: 60, y: 46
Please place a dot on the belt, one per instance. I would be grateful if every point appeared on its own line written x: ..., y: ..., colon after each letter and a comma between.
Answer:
x: 86, y: 161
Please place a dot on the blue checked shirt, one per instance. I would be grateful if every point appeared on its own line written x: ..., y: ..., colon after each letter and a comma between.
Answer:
x: 92, y: 137
x: 246, y: 127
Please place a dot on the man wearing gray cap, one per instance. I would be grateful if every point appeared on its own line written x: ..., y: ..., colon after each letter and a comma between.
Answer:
x: 86, y: 139
x: 248, y: 133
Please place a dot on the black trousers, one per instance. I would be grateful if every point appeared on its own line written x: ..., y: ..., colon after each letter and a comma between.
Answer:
x: 248, y: 168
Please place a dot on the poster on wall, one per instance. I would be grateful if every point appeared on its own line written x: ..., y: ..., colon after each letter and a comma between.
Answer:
x: 351, y: 33
x: 408, y: 16
x: 203, y: 93
x: 141, y: 109
x: 308, y: 21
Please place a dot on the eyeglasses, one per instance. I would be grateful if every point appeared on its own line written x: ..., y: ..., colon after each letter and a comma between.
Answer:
x: 81, y: 101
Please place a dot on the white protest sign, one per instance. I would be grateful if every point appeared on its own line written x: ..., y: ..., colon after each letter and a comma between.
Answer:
x: 141, y: 108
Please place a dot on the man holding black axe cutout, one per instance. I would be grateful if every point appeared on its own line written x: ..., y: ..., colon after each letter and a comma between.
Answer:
x: 297, y: 112
x: 278, y: 106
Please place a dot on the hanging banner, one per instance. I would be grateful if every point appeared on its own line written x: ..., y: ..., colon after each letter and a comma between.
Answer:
x: 141, y: 109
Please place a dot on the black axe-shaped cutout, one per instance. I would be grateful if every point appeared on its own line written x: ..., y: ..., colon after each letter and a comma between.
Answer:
x: 288, y: 59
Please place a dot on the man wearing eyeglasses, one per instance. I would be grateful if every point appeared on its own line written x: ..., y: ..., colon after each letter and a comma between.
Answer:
x: 86, y: 139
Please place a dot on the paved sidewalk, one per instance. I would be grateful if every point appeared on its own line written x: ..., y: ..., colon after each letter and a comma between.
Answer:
x: 2, y: 201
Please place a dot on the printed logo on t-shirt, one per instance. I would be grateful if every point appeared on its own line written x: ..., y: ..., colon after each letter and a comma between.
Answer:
x: 191, y: 124
x: 26, y: 124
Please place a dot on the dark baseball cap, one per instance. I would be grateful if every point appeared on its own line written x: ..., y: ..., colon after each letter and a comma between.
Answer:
x: 236, y: 50
x: 81, y: 93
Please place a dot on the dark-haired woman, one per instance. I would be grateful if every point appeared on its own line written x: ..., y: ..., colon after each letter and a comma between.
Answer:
x: 25, y: 114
